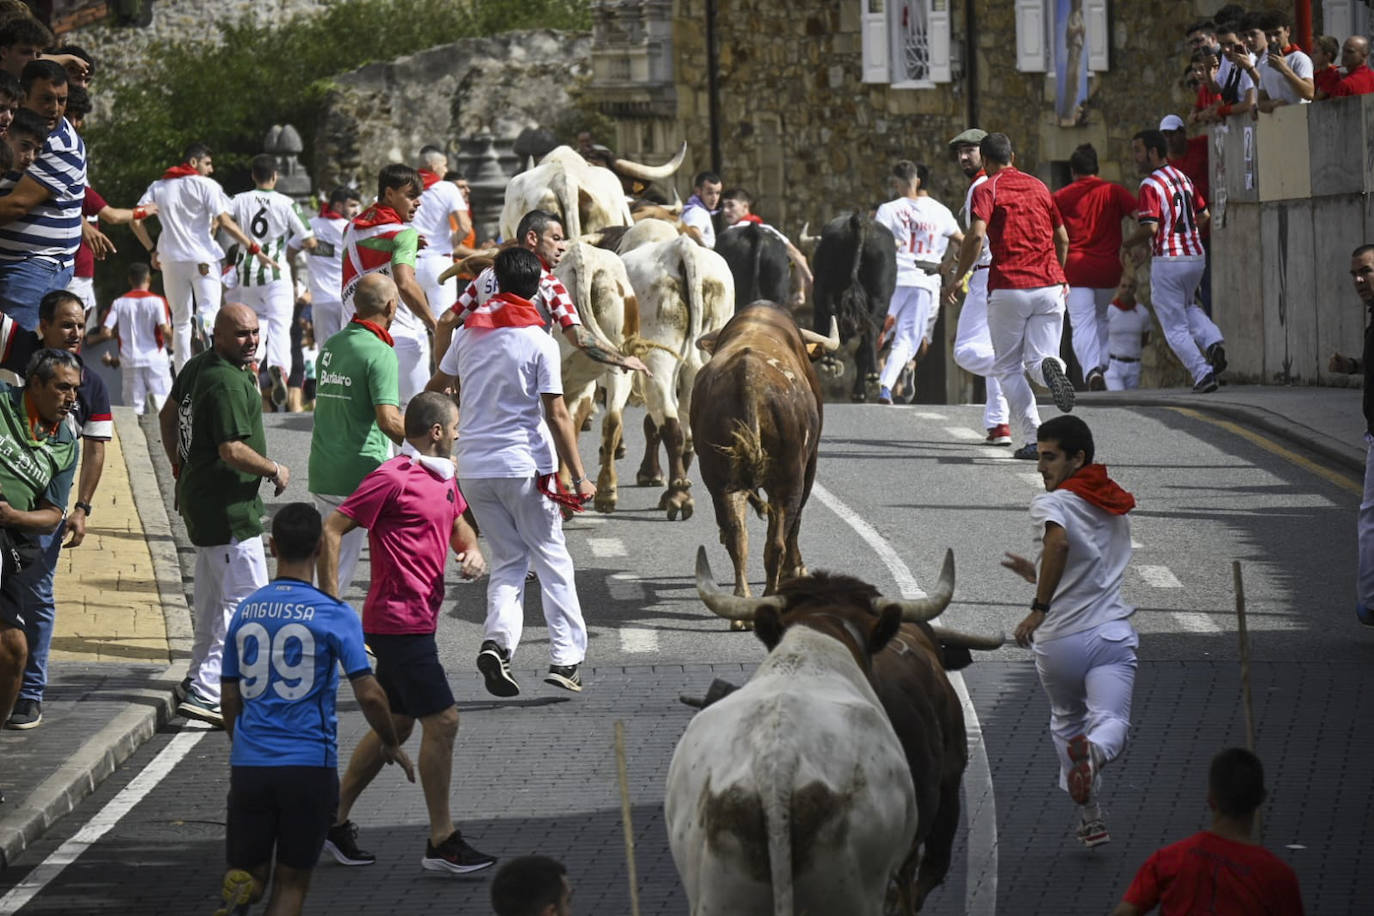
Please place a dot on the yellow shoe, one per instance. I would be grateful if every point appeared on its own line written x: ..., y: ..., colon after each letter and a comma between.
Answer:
x: 237, y: 893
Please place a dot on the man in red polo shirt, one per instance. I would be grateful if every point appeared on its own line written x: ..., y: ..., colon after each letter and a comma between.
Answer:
x: 1026, y: 285
x: 1359, y: 79
x: 1092, y: 210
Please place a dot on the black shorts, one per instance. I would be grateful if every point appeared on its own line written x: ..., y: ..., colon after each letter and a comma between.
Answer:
x: 290, y: 808
x: 409, y: 671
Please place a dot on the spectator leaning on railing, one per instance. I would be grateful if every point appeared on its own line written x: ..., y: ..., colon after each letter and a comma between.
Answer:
x: 1325, y: 74
x: 1285, y: 72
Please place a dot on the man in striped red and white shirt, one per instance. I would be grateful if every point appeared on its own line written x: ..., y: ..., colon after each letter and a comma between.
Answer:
x: 1171, y: 212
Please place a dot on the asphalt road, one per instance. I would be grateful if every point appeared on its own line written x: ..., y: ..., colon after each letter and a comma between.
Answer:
x: 897, y: 487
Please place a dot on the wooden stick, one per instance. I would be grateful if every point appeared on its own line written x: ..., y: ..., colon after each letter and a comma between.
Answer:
x: 1247, y: 704
x: 625, y: 815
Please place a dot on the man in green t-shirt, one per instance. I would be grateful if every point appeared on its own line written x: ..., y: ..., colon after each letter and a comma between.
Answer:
x: 357, y: 416
x: 213, y: 436
x: 37, y: 460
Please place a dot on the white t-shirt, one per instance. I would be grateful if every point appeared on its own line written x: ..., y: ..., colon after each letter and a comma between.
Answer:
x: 1273, y: 83
x: 273, y: 221
x: 138, y: 316
x: 1124, y: 330
x: 431, y: 218
x: 699, y: 218
x: 1089, y: 593
x: 326, y: 261
x: 185, y: 209
x: 984, y: 256
x: 503, y: 372
x: 922, y: 228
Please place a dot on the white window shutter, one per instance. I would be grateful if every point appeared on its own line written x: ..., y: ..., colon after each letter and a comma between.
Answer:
x: 1032, y: 50
x: 1338, y: 18
x: 939, y: 30
x: 1099, y: 39
x: 873, y: 26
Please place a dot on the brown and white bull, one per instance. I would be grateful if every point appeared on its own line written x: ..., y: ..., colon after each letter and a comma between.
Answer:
x: 793, y: 794
x: 908, y: 676
x: 585, y: 197
x: 756, y: 418
x: 684, y: 291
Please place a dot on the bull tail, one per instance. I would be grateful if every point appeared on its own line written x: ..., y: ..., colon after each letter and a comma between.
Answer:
x: 747, y: 457
x: 696, y: 307
x: 775, y: 778
x: 566, y: 191
x: 852, y: 310
x: 755, y: 237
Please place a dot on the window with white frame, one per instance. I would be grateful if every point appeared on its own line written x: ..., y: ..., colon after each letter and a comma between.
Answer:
x: 1050, y: 32
x: 905, y: 42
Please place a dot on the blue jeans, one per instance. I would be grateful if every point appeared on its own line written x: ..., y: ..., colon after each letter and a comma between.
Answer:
x: 39, y: 612
x: 23, y: 284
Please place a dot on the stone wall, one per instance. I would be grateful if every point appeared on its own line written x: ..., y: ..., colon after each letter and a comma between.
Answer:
x: 500, y: 85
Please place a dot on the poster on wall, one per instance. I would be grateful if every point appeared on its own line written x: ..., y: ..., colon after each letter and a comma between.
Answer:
x: 1070, y: 62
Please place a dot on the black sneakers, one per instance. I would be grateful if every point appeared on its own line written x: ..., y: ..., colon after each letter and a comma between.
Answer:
x: 26, y: 714
x: 1096, y: 381
x: 455, y: 856
x: 1028, y: 452
x: 569, y: 677
x: 1216, y: 357
x: 1061, y: 389
x: 494, y: 663
x: 1206, y: 384
x: 342, y: 843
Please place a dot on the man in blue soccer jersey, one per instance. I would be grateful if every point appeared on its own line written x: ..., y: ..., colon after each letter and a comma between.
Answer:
x: 279, y: 679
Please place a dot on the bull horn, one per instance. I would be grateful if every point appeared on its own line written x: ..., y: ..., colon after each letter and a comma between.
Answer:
x: 731, y: 607
x: 969, y: 640
x: 808, y: 239
x: 649, y: 172
x: 830, y: 344
x: 927, y: 608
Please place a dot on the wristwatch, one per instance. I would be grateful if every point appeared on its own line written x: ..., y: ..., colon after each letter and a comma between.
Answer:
x: 1040, y: 606
x: 84, y: 507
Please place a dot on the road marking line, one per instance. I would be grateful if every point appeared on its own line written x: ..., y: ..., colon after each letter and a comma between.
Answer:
x: 1159, y: 577
x: 100, y: 824
x: 606, y: 547
x: 638, y: 639
x: 1136, y: 545
x: 1032, y: 478
x: 963, y: 432
x: 625, y: 587
x: 1307, y: 464
x: 1195, y: 622
x: 980, y: 804
x: 929, y: 415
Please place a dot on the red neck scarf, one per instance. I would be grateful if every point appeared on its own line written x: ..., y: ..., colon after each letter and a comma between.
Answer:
x: 184, y: 170
x: 1123, y: 306
x: 1092, y: 483
x: 981, y: 173
x: 377, y: 215
x: 328, y: 212
x: 751, y: 218
x: 505, y: 310
x: 382, y: 334
x: 553, y: 489
x: 1290, y: 48
x: 429, y: 178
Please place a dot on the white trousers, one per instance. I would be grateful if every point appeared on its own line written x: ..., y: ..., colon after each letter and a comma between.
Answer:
x: 973, y: 347
x: 327, y: 318
x: 84, y: 289
x: 524, y: 529
x: 350, y: 545
x: 275, y: 302
x: 911, y: 309
x: 1089, y: 678
x: 441, y: 296
x: 1365, y: 580
x: 1025, y: 325
x: 142, y: 382
x: 1122, y: 376
x: 412, y: 353
x: 1088, y: 320
x: 1188, y: 330
x: 225, y: 575
x: 186, y: 287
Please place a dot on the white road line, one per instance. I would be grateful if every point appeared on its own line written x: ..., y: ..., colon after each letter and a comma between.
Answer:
x: 1195, y: 622
x: 1032, y: 478
x: 1158, y: 577
x: 963, y: 432
x: 980, y: 884
x: 607, y: 547
x: 638, y: 639
x: 100, y: 824
x: 928, y: 415
x: 1136, y: 545
x: 625, y: 587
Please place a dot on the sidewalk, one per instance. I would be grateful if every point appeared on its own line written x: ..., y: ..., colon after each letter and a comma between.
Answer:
x: 121, y: 639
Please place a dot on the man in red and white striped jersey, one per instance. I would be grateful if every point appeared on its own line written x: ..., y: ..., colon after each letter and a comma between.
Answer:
x: 1171, y: 212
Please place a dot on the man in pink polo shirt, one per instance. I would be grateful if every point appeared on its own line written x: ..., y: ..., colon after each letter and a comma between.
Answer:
x: 413, y: 511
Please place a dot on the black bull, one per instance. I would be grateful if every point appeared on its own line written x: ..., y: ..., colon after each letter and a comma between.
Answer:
x: 855, y: 268
x: 758, y: 262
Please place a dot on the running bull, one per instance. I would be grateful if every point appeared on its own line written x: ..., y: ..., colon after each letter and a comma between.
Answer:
x: 758, y: 260
x: 855, y: 268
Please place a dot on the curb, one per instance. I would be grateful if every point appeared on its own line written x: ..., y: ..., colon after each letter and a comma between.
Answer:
x: 98, y: 757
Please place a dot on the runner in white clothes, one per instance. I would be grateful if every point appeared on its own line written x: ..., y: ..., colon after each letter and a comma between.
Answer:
x: 1171, y: 214
x: 1128, y: 323
x: 972, y: 341
x: 275, y: 224
x: 442, y: 206
x: 923, y: 228
x: 142, y: 322
x: 188, y: 203
x: 325, y: 263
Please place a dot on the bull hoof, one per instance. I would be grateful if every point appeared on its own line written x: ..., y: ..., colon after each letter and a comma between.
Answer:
x: 858, y: 397
x: 587, y: 425
x: 683, y: 507
x: 741, y: 626
x: 605, y: 502
x: 643, y: 479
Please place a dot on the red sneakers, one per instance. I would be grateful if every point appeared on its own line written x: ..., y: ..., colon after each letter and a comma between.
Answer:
x: 999, y: 435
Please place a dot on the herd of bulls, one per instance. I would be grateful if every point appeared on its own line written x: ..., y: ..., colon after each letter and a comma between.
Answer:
x: 829, y: 783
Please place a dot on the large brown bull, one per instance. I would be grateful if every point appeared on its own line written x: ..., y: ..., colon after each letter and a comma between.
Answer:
x: 756, y: 420
x: 908, y: 675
